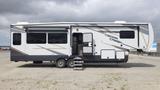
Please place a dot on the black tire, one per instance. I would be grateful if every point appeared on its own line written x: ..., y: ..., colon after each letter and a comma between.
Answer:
x: 70, y: 63
x: 37, y: 62
x: 60, y: 63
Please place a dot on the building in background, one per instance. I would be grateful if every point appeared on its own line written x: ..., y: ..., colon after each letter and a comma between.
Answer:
x: 158, y: 47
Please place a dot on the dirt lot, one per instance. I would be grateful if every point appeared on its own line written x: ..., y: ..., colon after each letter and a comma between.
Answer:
x: 140, y: 73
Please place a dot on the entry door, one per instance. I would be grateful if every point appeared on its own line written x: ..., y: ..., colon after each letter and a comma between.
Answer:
x: 87, y: 44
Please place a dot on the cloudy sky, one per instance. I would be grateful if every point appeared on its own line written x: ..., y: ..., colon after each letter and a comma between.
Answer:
x: 12, y: 11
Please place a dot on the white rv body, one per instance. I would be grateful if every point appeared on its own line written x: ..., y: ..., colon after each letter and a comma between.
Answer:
x: 93, y: 41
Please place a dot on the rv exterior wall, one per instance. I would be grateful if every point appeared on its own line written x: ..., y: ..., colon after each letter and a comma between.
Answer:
x: 32, y: 48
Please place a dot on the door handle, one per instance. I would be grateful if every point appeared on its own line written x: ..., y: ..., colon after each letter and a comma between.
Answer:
x: 90, y: 44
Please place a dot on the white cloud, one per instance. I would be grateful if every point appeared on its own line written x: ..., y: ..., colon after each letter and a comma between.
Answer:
x: 80, y: 10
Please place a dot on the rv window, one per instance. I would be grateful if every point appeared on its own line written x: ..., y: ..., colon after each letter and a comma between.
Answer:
x: 17, y: 39
x: 57, y: 38
x: 36, y: 38
x: 126, y: 34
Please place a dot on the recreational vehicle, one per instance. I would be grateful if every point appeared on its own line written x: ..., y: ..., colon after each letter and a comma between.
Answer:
x: 87, y: 42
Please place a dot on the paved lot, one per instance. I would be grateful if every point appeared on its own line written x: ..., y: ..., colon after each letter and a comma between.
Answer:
x: 140, y: 73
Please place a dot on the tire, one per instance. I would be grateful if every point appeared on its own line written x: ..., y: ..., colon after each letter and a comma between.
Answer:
x: 37, y: 62
x: 70, y: 63
x: 60, y: 63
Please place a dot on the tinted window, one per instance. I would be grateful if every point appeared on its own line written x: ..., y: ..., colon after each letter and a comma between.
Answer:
x: 57, y: 38
x: 126, y: 34
x: 17, y: 39
x: 36, y: 38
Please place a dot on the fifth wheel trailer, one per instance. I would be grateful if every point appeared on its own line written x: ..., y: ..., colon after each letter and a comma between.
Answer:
x: 91, y: 42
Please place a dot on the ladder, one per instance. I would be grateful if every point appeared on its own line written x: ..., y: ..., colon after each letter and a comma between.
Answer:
x: 78, y: 63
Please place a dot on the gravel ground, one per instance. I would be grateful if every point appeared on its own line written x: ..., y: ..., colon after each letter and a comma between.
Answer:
x: 140, y: 73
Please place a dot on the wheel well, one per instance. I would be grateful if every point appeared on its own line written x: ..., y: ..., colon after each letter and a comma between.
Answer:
x: 60, y: 58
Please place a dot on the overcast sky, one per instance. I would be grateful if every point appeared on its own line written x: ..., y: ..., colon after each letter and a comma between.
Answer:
x: 12, y: 11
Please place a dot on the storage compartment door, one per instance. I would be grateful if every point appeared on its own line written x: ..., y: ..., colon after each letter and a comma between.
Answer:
x: 120, y: 55
x: 107, y: 54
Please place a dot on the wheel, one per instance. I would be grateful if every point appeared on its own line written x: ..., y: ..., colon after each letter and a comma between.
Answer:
x: 60, y: 63
x: 37, y: 62
x: 70, y: 63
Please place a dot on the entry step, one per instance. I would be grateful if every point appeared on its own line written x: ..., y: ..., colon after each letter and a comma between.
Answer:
x: 78, y: 63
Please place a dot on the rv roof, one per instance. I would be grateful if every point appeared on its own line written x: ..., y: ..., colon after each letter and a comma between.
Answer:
x: 79, y: 23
